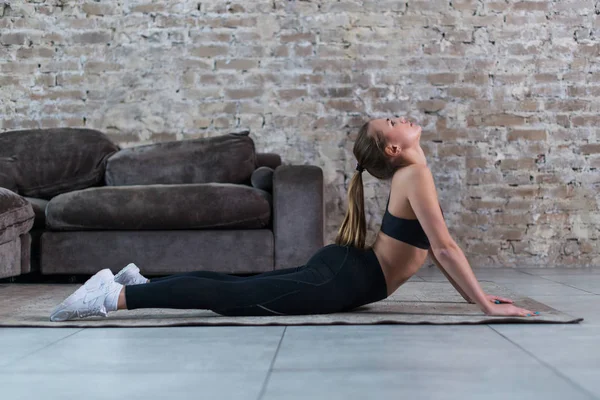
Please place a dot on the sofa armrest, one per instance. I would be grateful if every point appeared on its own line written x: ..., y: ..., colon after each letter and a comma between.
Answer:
x: 298, y: 214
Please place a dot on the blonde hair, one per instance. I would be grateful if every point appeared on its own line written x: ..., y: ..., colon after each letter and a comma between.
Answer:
x: 369, y: 152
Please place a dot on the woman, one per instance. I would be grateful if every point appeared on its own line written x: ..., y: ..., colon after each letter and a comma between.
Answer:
x: 338, y: 277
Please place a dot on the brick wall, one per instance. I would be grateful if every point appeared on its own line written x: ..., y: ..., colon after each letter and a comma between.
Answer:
x: 506, y: 91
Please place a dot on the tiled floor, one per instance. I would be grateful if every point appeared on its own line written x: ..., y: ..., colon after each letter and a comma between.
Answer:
x: 508, y: 362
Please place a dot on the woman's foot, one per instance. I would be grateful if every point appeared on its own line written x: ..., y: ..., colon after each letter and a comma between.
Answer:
x: 130, y: 275
x: 96, y: 297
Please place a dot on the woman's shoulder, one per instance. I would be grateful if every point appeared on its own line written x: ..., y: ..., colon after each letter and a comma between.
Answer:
x: 410, y: 173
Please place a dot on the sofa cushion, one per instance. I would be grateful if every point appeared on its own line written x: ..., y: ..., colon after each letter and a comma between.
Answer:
x: 16, y: 216
x: 194, y: 206
x: 43, y: 163
x: 262, y: 178
x: 227, y: 158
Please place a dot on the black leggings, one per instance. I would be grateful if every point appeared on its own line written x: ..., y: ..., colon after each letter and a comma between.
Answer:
x: 336, y: 278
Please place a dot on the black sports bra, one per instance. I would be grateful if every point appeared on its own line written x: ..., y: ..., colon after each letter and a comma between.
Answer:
x: 405, y: 230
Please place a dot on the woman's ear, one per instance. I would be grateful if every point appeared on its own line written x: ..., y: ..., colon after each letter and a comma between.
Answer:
x: 392, y: 150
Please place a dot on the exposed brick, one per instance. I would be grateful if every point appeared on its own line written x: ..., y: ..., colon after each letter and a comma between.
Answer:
x: 222, y: 122
x: 239, y: 94
x: 98, y: 37
x: 442, y: 79
x: 531, y: 6
x: 431, y: 106
x: 291, y: 94
x: 148, y: 8
x: 8, y: 80
x: 593, y: 148
x: 39, y: 52
x: 533, y: 134
x: 390, y: 107
x: 336, y: 92
x: 523, y: 163
x: 237, y: 64
x: 208, y: 51
x: 495, y: 120
x: 303, y: 51
x: 97, y: 9
x: 94, y: 67
x: 46, y: 80
x: 17, y: 38
x: 486, y: 248
x: 298, y: 37
x: 476, y: 78
x: 464, y: 92
x: 587, y: 120
x: 343, y: 105
x: 473, y: 162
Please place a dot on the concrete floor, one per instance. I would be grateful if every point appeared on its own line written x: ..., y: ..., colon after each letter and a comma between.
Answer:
x: 499, y: 361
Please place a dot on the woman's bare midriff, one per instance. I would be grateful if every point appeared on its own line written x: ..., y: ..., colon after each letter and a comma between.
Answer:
x: 399, y: 261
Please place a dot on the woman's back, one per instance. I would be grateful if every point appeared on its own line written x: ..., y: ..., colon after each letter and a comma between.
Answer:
x: 400, y: 259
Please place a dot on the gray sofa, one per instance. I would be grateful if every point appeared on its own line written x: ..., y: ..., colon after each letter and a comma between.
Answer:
x: 72, y: 202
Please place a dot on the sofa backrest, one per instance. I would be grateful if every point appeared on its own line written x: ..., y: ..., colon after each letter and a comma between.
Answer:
x: 229, y: 158
x: 43, y: 163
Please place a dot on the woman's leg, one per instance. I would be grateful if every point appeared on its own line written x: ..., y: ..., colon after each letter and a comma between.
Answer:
x: 303, y: 290
x: 227, y: 277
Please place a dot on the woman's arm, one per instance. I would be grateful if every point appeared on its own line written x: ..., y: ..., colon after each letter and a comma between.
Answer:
x: 490, y: 297
x: 424, y: 202
x: 458, y: 289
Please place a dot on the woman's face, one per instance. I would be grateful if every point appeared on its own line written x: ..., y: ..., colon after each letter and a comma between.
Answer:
x: 398, y: 131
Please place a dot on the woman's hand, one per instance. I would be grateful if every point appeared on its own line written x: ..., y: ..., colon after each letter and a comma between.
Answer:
x: 498, y: 299
x: 510, y: 310
x: 491, y: 298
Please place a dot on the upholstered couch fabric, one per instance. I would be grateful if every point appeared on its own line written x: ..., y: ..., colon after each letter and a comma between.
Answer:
x: 262, y: 178
x: 298, y: 213
x: 158, y: 252
x: 193, y: 206
x: 10, y: 258
x: 39, y: 209
x: 222, y: 159
x: 25, y: 253
x: 43, y: 163
x: 271, y: 160
x: 16, y: 216
x: 204, y: 204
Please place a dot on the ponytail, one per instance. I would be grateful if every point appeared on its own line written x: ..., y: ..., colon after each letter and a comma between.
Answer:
x: 354, y: 228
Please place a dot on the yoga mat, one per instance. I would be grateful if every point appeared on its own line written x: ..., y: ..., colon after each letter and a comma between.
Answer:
x: 413, y: 303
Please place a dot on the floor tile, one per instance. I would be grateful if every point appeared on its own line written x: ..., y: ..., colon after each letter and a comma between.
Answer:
x: 584, y: 306
x: 159, y: 349
x: 544, y: 289
x: 558, y: 345
x: 131, y: 386
x: 589, y: 283
x: 488, y: 383
x: 585, y: 377
x: 395, y: 347
x: 561, y: 271
x: 19, y: 342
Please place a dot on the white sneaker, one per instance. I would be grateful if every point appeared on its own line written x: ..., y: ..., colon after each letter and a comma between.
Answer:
x: 130, y: 275
x: 88, y: 300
